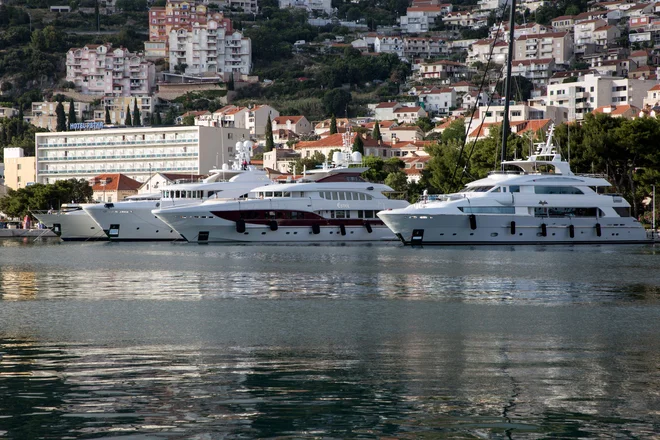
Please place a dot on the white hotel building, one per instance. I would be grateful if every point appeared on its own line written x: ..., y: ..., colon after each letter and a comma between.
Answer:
x: 135, y: 152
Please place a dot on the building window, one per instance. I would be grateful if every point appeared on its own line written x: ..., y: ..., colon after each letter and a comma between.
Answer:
x: 230, y: 135
x: 18, y: 166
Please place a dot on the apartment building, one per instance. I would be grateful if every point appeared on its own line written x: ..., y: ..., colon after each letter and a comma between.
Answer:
x: 443, y: 70
x: 134, y: 152
x: 563, y: 23
x: 538, y: 71
x: 583, y: 32
x: 19, y: 169
x: 98, y: 69
x: 43, y: 113
x: 606, y: 36
x: 209, y: 50
x: 438, y: 100
x: 555, y: 45
x: 592, y: 91
x: 427, y: 47
x: 482, y: 50
x: 8, y: 112
x: 389, y: 44
x: 117, y: 106
x: 296, y: 124
x: 421, y: 19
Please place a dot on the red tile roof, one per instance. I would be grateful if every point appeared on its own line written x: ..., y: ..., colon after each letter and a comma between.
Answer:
x: 114, y: 182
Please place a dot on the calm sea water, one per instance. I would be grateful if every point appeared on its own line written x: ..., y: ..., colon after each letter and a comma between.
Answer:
x: 174, y: 341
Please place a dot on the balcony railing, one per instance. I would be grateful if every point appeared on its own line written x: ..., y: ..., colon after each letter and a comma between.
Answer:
x: 119, y: 143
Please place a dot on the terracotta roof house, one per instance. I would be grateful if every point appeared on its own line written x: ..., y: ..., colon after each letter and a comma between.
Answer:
x: 619, y: 111
x: 113, y: 187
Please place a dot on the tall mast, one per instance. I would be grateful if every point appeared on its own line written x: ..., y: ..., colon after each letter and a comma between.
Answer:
x: 507, y: 84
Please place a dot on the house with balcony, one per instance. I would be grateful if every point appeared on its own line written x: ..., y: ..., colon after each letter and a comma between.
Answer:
x: 444, y: 70
x: 565, y: 23
x: 483, y: 50
x: 619, y: 111
x: 421, y: 19
x: 438, y: 100
x: 389, y: 44
x: 606, y: 36
x: 538, y: 71
x: 296, y: 124
x: 426, y: 47
x: 98, y: 69
x: 460, y: 19
x: 409, y: 115
x: 323, y: 6
x: 555, y: 45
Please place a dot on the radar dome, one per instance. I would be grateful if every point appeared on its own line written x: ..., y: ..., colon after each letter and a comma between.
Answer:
x: 337, y: 157
x: 248, y: 144
x: 356, y: 156
x: 225, y: 166
x: 239, y: 145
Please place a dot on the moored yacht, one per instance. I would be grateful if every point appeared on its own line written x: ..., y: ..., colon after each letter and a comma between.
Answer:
x: 525, y: 207
x: 132, y: 220
x: 333, y: 205
x: 71, y: 222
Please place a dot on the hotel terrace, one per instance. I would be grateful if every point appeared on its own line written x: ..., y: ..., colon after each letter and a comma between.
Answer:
x: 134, y: 152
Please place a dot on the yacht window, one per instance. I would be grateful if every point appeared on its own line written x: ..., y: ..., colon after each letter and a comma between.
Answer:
x: 340, y: 214
x: 369, y: 214
x: 278, y: 193
x: 286, y: 194
x: 557, y: 190
x: 177, y: 194
x: 514, y: 188
x: 488, y: 209
x: 342, y: 196
x: 335, y: 196
x: 565, y: 212
x: 362, y: 196
x: 269, y: 194
x: 622, y: 211
x: 497, y: 189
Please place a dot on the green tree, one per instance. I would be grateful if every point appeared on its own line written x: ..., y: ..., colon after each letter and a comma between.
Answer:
x: 376, y: 133
x: 270, y: 144
x: 425, y: 124
x: 398, y: 181
x: 358, y: 144
x: 455, y: 131
x: 137, y: 119
x: 336, y: 101
x: 189, y: 119
x: 158, y: 119
x: 333, y: 124
x: 107, y: 115
x: 72, y: 112
x: 127, y: 121
x: 61, y: 117
x: 307, y: 163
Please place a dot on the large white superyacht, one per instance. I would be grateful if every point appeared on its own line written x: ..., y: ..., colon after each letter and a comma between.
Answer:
x: 525, y: 207
x: 132, y: 220
x: 71, y: 222
x: 337, y: 205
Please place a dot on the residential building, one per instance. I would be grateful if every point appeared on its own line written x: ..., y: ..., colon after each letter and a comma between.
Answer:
x: 323, y: 128
x: 43, y: 113
x: 296, y: 124
x: 101, y: 70
x: 117, y: 109
x: 416, y: 148
x: 583, y: 32
x: 427, y: 47
x: 483, y: 50
x: 563, y: 23
x: 341, y: 141
x: 592, y: 91
x: 652, y: 98
x: 281, y: 159
x: 108, y: 188
x: 421, y: 19
x: 409, y: 115
x: 606, y: 36
x: 490, y: 5
x: 446, y: 71
x: 308, y: 5
x: 538, y: 71
x: 459, y: 19
x: 555, y: 45
x: 135, y: 152
x: 619, y: 111
x: 403, y: 134
x: 414, y: 165
x: 384, y: 111
x: 438, y: 100
x: 209, y: 50
x: 19, y: 169
x: 8, y: 112
x: 389, y: 44
x: 257, y: 119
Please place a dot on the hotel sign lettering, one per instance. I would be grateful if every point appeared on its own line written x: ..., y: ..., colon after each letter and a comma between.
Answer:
x: 86, y: 126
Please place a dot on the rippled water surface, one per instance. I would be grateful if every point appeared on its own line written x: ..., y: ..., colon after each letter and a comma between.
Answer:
x: 170, y: 341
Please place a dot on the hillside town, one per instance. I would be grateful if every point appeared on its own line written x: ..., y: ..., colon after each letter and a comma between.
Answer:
x: 121, y: 113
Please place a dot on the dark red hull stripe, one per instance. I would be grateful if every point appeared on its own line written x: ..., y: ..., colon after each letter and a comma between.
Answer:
x: 284, y: 218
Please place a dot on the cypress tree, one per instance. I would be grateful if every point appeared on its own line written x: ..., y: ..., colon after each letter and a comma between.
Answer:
x: 159, y: 121
x: 358, y: 143
x: 127, y: 121
x: 137, y: 119
x: 376, y: 133
x: 19, y: 123
x: 333, y: 124
x: 72, y: 113
x: 107, y: 115
x: 270, y: 144
x: 61, y: 117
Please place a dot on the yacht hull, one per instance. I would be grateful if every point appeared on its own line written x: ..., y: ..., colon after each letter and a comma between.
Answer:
x: 75, y: 226
x: 132, y: 222
x: 444, y: 229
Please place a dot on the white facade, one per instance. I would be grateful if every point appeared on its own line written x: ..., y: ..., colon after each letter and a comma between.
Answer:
x: 134, y: 152
x: 208, y: 50
x: 102, y: 70
x: 593, y: 91
x: 308, y: 5
x: 420, y: 19
x: 439, y: 100
x: 385, y: 44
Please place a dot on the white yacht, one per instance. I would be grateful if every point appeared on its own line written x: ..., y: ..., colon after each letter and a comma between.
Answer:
x: 336, y: 206
x: 71, y: 223
x: 132, y: 220
x: 525, y: 207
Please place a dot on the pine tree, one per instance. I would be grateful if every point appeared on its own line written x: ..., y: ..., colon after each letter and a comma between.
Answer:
x: 358, y: 143
x: 376, y: 133
x: 152, y: 120
x: 127, y: 121
x: 270, y: 144
x: 107, y: 115
x: 230, y: 83
x: 333, y: 124
x: 72, y: 113
x: 61, y: 117
x: 19, y: 122
x: 137, y: 119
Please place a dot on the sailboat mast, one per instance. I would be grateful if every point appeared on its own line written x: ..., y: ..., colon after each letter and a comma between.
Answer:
x: 507, y: 84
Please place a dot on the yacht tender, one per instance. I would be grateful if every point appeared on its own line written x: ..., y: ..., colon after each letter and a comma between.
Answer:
x: 525, y: 207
